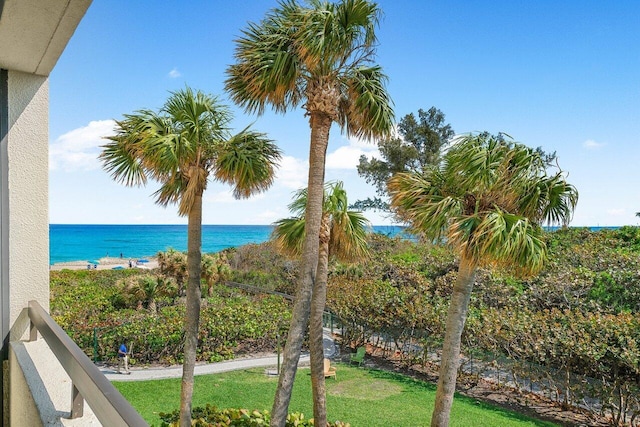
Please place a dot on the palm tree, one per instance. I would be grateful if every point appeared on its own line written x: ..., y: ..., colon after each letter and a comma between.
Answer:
x: 487, y: 200
x: 215, y: 269
x: 343, y: 235
x: 173, y: 263
x: 321, y: 58
x: 180, y: 147
x: 147, y: 288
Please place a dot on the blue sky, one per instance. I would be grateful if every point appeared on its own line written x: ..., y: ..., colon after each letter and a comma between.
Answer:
x: 561, y: 75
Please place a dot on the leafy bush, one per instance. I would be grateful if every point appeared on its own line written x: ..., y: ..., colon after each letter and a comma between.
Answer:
x: 210, y: 416
x: 578, y: 317
x: 91, y: 307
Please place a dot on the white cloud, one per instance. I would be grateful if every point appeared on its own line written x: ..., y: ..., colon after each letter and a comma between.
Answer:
x: 225, y: 196
x: 616, y: 212
x: 590, y: 144
x: 78, y: 149
x: 348, y: 156
x: 174, y: 74
x: 267, y: 217
x: 292, y: 173
x: 365, y: 144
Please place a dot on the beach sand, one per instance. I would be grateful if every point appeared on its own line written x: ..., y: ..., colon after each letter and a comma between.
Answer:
x: 106, y: 263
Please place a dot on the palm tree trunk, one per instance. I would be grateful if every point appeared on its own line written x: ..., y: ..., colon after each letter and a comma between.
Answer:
x: 152, y: 306
x: 318, y: 301
x: 320, y: 125
x: 192, y: 313
x: 456, y: 317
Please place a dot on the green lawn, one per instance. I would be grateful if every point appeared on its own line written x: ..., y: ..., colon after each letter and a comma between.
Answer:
x: 359, y: 396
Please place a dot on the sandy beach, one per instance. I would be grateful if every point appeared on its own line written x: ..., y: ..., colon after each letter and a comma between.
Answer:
x: 106, y: 263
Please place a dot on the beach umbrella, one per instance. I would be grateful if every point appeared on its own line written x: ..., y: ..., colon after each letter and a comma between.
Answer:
x: 93, y: 262
x: 143, y: 261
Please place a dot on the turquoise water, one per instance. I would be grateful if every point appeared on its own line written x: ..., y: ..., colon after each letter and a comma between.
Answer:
x: 68, y: 242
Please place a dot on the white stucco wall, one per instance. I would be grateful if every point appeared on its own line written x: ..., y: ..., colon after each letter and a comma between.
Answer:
x: 26, y: 214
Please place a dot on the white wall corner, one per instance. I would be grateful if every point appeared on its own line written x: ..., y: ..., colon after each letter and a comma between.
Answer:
x: 26, y: 216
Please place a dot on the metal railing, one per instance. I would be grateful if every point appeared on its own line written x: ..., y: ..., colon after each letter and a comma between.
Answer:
x: 87, y: 382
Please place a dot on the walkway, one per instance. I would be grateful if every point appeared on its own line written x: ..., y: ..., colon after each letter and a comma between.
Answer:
x: 271, y: 361
x: 143, y: 374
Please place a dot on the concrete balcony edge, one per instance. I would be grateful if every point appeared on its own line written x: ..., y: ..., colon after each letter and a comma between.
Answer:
x: 40, y: 390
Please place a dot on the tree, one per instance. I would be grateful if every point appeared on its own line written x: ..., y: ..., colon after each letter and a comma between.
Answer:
x: 180, y: 147
x: 487, y: 199
x: 419, y: 144
x: 173, y: 263
x: 215, y: 269
x: 146, y: 288
x: 343, y: 234
x: 319, y: 57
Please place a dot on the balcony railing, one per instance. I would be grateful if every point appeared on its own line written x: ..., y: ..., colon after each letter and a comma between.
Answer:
x: 87, y: 382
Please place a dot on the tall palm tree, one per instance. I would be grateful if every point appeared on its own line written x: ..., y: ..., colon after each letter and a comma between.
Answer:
x: 319, y: 57
x: 343, y: 235
x: 181, y: 147
x: 487, y: 200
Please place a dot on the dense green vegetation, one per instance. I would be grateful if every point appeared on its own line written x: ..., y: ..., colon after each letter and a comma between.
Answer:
x: 84, y: 301
x: 573, y: 330
x: 360, y: 397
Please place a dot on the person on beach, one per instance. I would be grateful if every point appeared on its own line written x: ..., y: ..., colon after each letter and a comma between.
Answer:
x: 123, y: 358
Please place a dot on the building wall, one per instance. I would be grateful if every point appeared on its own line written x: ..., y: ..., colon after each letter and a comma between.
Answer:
x: 25, y: 169
x: 23, y: 408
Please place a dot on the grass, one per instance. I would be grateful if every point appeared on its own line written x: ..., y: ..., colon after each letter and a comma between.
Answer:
x: 362, y: 397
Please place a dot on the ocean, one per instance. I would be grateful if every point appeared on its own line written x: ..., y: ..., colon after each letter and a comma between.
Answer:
x: 69, y: 242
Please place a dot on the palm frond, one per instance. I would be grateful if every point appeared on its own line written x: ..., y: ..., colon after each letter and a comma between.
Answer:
x: 299, y: 203
x: 367, y: 109
x: 120, y: 158
x: 488, y: 198
x: 182, y: 144
x: 427, y: 207
x: 170, y: 191
x: 247, y: 161
x: 347, y: 229
x: 196, y: 183
x: 509, y: 240
x: 267, y: 68
x: 288, y: 234
x: 299, y: 52
x: 348, y: 238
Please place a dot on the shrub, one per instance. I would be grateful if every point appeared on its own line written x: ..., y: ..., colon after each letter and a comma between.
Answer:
x: 92, y: 309
x: 210, y: 416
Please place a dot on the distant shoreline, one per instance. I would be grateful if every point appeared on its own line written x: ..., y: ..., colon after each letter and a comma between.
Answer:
x: 72, y: 245
x: 106, y: 263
